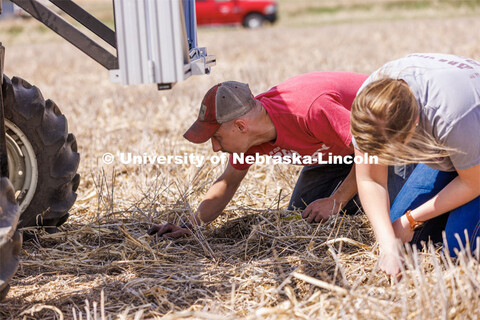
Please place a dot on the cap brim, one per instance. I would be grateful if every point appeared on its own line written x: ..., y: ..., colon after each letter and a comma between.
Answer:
x: 201, y: 131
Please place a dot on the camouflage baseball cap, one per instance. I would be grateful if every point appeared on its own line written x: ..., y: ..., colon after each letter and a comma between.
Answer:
x: 224, y: 102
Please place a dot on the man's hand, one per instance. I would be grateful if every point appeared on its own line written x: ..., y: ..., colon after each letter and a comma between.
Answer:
x: 402, y: 229
x: 168, y: 230
x: 322, y: 209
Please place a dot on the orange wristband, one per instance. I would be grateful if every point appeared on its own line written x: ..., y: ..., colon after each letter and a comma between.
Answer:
x: 414, y: 225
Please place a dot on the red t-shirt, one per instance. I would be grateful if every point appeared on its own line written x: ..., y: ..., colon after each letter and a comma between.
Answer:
x: 311, y: 114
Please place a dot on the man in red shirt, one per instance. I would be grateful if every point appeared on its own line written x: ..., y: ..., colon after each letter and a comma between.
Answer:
x: 307, y: 115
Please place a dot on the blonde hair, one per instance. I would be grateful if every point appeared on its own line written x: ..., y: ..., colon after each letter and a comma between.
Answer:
x: 383, y: 116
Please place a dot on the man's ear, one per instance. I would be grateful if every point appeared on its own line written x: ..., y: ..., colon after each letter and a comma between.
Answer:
x: 240, y: 125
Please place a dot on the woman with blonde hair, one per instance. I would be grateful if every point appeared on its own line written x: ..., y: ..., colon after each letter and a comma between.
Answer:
x: 424, y: 108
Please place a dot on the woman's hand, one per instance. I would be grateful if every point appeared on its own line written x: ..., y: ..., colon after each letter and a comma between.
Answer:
x: 390, y: 260
x: 402, y: 229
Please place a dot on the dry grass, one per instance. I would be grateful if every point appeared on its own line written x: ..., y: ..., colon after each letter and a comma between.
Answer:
x: 251, y: 263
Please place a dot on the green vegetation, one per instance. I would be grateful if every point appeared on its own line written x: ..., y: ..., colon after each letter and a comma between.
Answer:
x: 412, y: 5
x: 42, y: 28
x: 15, y: 30
x: 314, y: 12
x: 329, y: 7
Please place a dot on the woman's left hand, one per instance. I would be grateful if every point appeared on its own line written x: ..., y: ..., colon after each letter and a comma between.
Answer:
x: 402, y: 229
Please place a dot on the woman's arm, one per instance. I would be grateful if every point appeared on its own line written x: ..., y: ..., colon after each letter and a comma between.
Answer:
x: 459, y: 191
x: 373, y: 192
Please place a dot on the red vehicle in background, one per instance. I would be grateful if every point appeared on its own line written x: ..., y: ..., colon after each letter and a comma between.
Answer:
x: 249, y: 13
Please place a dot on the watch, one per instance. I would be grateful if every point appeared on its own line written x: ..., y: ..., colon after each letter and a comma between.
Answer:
x: 414, y: 225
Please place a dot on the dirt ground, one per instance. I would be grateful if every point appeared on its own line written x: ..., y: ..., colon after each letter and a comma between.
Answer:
x: 247, y: 263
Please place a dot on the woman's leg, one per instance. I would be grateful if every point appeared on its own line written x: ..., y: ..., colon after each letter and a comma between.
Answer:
x: 466, y: 217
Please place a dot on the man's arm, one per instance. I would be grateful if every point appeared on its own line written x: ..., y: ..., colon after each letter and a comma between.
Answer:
x: 321, y: 209
x: 219, y: 195
x: 216, y: 199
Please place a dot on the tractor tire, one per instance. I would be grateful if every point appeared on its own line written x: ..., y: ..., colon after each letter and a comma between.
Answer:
x: 10, y: 238
x: 42, y: 156
x: 253, y: 21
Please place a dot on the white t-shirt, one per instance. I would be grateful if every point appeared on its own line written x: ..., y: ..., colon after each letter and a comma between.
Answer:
x: 447, y: 89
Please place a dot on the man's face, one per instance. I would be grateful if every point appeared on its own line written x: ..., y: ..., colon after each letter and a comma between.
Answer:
x: 229, y: 138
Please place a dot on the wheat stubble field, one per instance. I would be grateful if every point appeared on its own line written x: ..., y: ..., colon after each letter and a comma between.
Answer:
x: 251, y: 262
